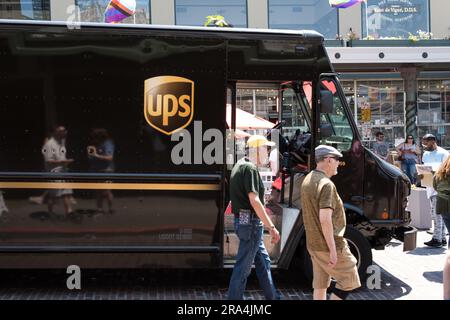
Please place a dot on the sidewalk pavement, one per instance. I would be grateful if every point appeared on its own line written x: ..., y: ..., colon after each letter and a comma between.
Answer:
x: 418, y: 273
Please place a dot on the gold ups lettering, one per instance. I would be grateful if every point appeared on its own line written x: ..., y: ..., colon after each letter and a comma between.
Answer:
x: 168, y: 103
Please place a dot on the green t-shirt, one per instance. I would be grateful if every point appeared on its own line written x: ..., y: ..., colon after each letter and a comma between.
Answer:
x: 244, y: 179
x: 319, y: 192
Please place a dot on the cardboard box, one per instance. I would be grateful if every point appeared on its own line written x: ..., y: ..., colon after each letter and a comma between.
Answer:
x: 427, y: 180
x: 427, y: 172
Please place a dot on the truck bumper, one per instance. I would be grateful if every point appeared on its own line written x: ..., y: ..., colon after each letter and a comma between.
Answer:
x: 408, y: 235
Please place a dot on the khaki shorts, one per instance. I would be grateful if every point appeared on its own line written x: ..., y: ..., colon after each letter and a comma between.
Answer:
x: 345, y: 272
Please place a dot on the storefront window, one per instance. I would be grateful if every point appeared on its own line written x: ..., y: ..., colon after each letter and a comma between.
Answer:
x: 194, y: 13
x: 433, y: 109
x: 304, y: 14
x: 378, y: 106
x: 395, y: 18
x: 25, y: 9
x: 94, y: 11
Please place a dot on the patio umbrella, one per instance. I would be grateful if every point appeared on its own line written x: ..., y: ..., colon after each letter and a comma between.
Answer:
x: 239, y: 134
x: 248, y: 121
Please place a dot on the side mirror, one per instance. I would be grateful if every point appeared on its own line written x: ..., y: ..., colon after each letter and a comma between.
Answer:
x: 326, y: 101
x: 326, y: 130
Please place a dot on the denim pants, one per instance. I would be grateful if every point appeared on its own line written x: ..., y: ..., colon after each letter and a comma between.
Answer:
x: 409, y: 168
x: 251, y: 250
x: 439, y: 226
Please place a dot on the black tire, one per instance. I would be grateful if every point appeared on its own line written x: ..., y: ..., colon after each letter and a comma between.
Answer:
x: 359, y: 246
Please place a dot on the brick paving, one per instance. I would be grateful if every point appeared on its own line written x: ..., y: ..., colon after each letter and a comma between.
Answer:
x: 404, y: 275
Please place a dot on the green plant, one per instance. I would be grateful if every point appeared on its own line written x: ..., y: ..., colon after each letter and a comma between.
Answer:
x: 216, y: 21
x: 421, y: 35
x: 412, y: 37
x: 424, y: 35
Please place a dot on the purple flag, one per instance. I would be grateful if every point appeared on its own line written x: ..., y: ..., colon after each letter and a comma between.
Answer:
x: 117, y: 10
x: 344, y: 3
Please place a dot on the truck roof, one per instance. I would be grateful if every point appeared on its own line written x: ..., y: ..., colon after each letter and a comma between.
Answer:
x: 225, y: 32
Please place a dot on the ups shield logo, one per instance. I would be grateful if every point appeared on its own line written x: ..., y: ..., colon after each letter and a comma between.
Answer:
x: 168, y: 103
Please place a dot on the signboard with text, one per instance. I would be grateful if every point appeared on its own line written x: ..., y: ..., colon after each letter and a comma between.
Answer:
x: 394, y: 18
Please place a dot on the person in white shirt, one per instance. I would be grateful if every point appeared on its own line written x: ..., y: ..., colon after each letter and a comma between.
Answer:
x: 3, y: 207
x: 274, y: 161
x: 54, y: 152
x: 434, y: 156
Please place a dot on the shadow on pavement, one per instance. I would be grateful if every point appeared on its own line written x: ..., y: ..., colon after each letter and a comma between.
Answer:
x: 394, y: 244
x: 433, y: 276
x: 427, y: 251
x: 390, y: 287
x: 174, y: 284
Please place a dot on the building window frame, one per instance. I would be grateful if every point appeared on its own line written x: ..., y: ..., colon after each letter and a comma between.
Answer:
x: 226, y: 19
x: 442, y: 138
x: 46, y: 14
x: 364, y: 33
x: 377, y: 127
x: 337, y: 21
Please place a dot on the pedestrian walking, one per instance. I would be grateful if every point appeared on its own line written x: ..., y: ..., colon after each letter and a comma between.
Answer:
x: 446, y: 276
x: 101, y: 160
x: 55, y: 157
x: 324, y: 220
x: 3, y: 207
x: 434, y: 156
x: 247, y: 202
x: 441, y: 183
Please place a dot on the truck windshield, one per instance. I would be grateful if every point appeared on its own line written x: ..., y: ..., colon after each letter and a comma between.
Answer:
x: 342, y: 134
x: 295, y: 113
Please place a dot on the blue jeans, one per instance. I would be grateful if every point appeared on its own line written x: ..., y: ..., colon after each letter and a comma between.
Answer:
x: 409, y: 168
x: 251, y: 250
x: 446, y: 218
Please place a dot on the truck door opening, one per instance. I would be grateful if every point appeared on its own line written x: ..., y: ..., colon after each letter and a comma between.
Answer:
x: 281, y: 113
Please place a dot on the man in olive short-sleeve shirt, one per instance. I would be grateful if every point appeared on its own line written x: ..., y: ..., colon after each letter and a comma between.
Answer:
x: 324, y: 220
x: 321, y: 193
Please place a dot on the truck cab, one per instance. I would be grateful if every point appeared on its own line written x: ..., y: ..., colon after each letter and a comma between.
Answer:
x: 374, y: 192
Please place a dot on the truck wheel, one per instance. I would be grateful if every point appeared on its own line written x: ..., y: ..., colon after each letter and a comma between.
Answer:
x: 359, y: 246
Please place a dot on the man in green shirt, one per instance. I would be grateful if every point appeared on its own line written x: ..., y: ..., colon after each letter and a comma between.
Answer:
x: 247, y: 202
x: 324, y: 220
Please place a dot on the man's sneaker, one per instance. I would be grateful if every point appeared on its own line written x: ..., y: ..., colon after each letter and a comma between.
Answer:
x: 433, y: 243
x: 444, y: 242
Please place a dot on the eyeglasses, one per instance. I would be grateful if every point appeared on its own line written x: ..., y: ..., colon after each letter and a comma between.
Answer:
x: 331, y: 157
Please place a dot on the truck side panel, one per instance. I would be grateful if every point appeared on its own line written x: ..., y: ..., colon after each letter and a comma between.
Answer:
x: 87, y: 79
